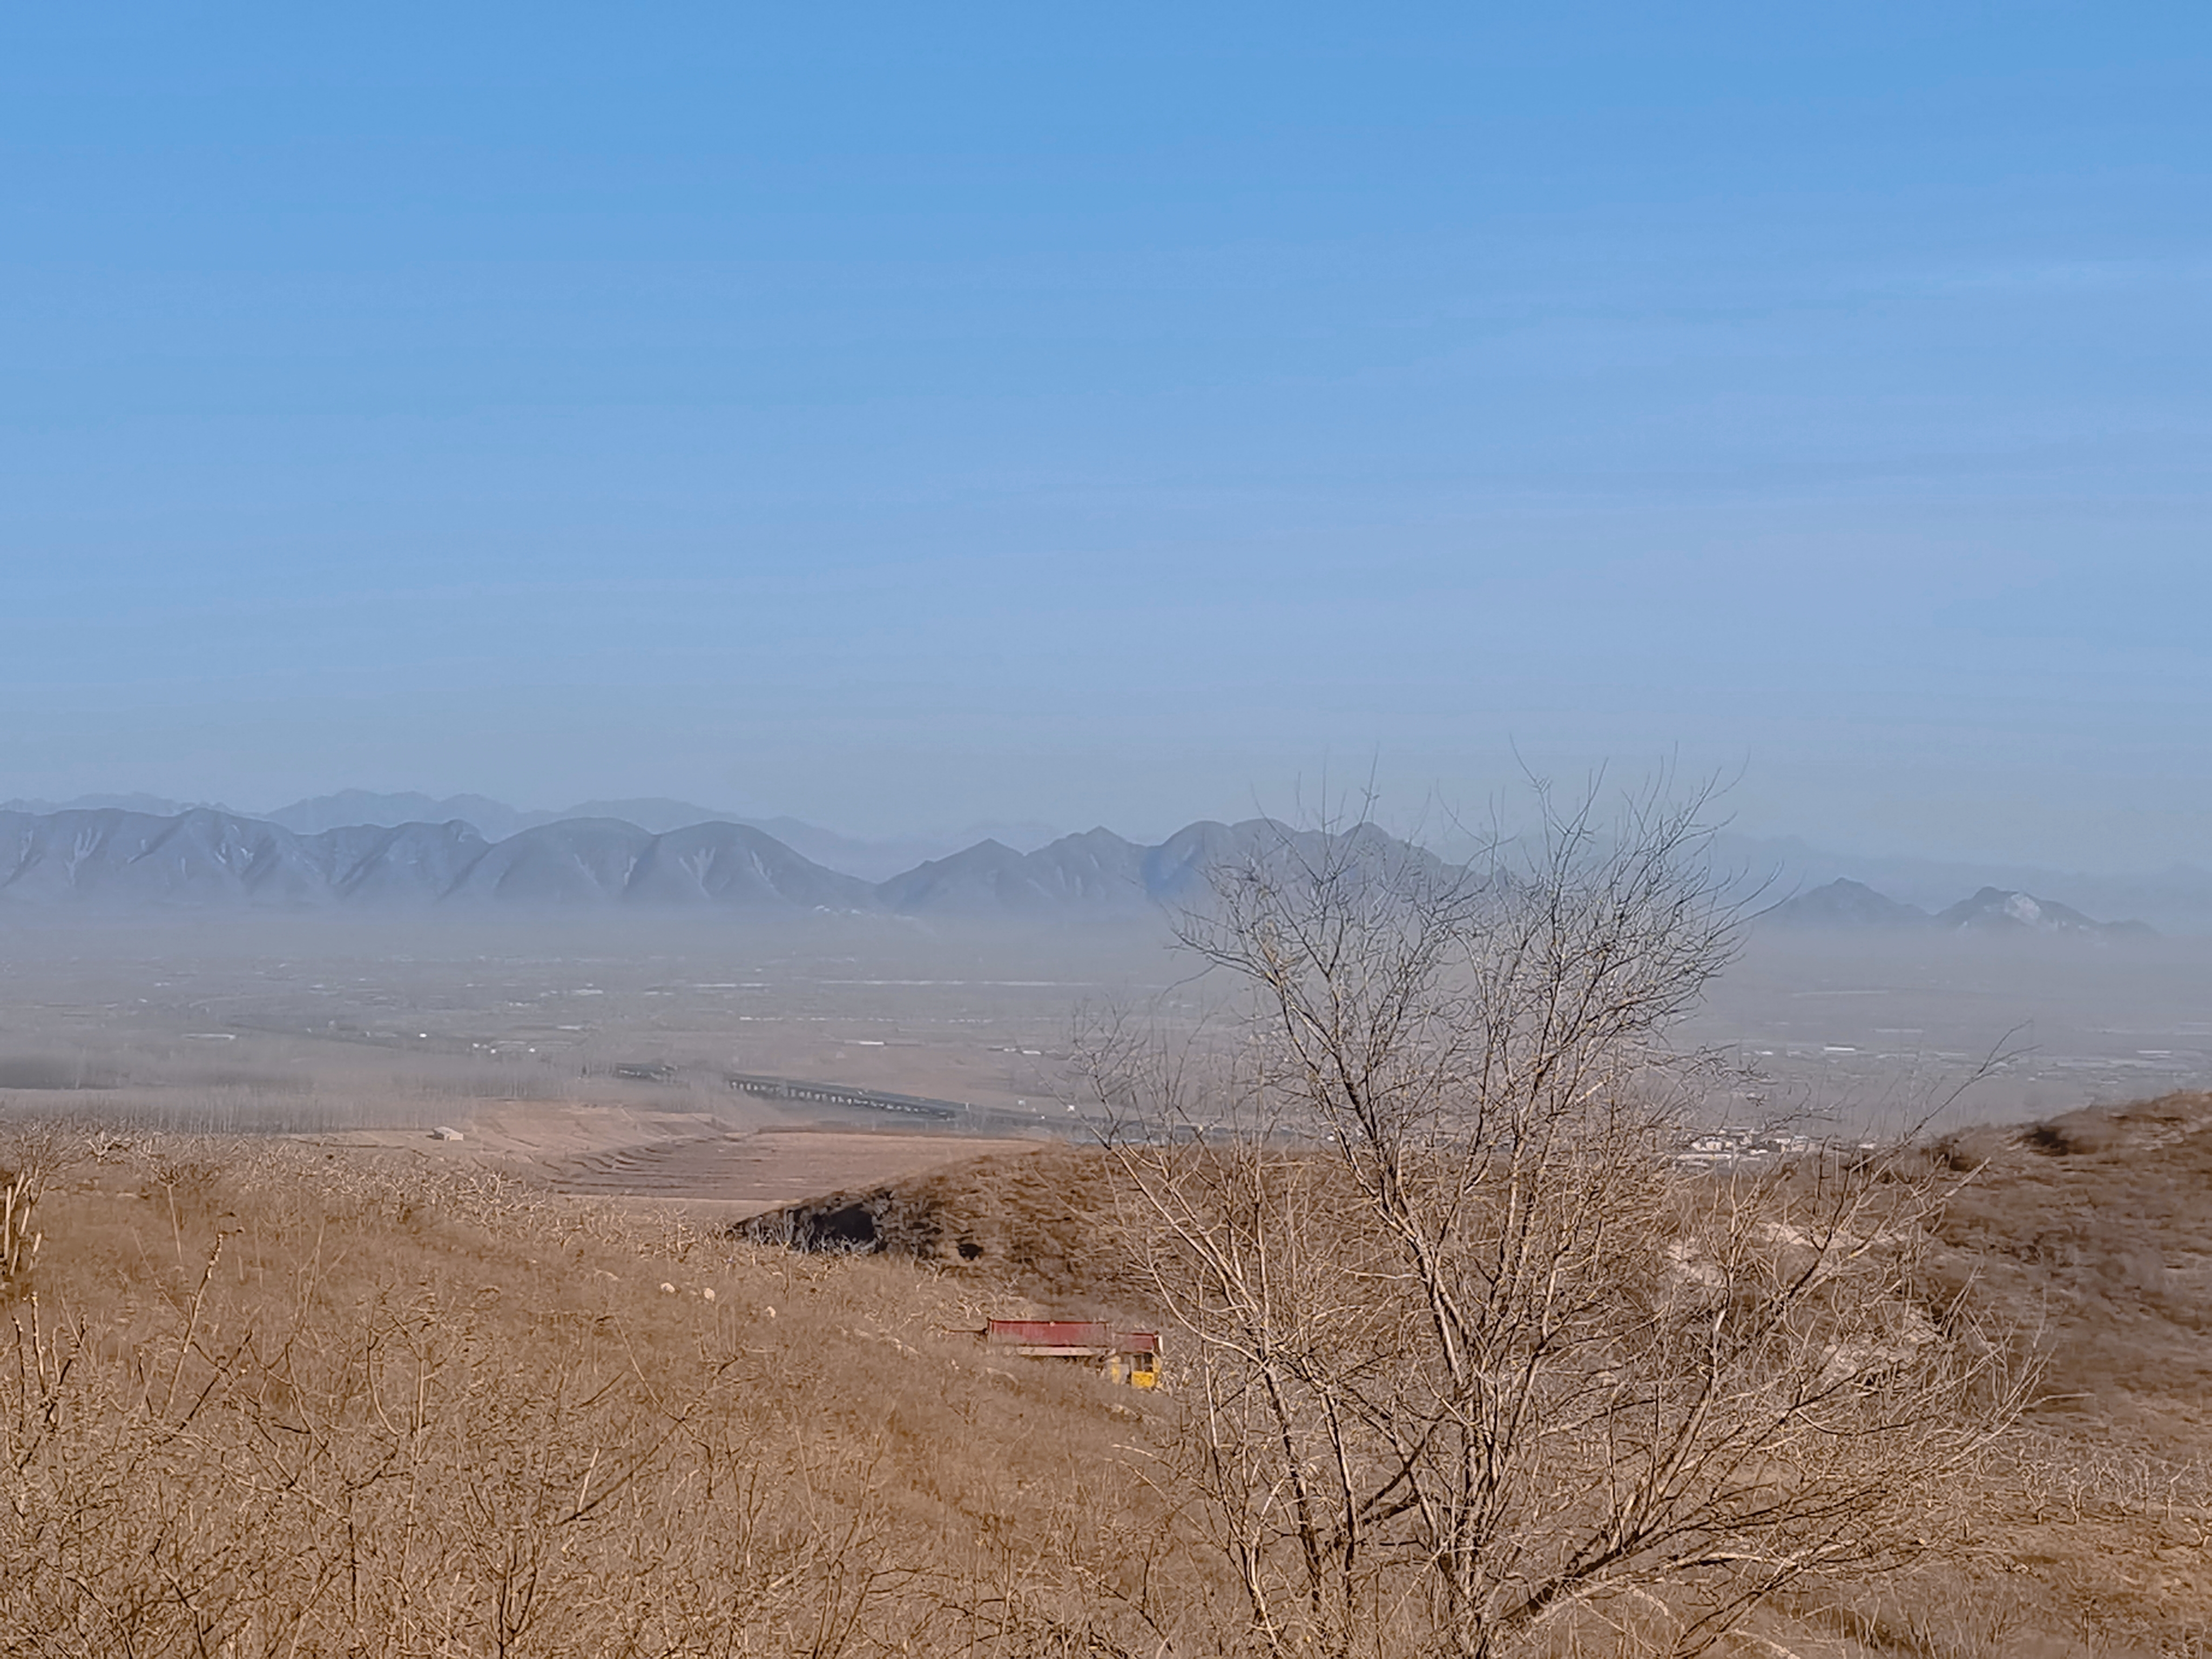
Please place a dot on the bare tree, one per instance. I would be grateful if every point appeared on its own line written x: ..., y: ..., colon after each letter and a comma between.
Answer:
x: 29, y: 1154
x: 1476, y: 1362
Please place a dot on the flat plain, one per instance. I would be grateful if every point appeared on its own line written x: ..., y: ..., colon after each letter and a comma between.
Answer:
x: 595, y: 1032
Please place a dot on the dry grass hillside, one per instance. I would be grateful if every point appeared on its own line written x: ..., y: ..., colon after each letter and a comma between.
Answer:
x: 2089, y: 1235
x: 1042, y: 1224
x: 2098, y: 1227
x: 261, y: 1398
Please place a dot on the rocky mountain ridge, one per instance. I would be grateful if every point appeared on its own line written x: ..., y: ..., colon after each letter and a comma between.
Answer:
x: 115, y: 857
x: 207, y: 858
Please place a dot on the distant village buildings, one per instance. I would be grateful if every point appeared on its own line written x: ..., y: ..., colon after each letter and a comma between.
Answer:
x: 1738, y: 1143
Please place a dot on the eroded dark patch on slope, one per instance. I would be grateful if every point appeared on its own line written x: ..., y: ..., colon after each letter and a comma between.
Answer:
x: 1048, y: 1220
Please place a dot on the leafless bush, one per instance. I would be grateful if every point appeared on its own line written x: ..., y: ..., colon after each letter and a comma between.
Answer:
x: 2074, y: 1477
x: 1477, y: 1367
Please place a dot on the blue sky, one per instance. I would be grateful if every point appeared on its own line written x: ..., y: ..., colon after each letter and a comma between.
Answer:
x: 898, y: 416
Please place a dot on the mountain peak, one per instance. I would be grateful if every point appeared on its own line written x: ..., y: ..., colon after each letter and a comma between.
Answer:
x: 2005, y: 910
x: 1844, y: 903
x: 1992, y: 910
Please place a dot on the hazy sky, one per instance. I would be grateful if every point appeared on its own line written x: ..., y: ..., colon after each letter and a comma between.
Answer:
x: 901, y: 415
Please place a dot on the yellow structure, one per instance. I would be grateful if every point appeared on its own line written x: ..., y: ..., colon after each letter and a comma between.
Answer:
x: 1129, y: 1356
x: 1138, y: 1371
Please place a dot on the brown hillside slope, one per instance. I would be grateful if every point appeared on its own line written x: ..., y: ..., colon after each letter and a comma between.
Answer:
x: 262, y: 1401
x: 268, y: 1400
x: 2097, y: 1226
x: 2090, y: 1235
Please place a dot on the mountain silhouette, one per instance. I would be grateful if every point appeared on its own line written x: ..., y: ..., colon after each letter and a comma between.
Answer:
x: 207, y: 859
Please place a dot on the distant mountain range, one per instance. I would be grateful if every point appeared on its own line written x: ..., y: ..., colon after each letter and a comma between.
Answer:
x: 871, y: 860
x: 361, y: 850
x: 2176, y: 900
x: 205, y: 857
x: 1844, y: 903
x: 851, y: 855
